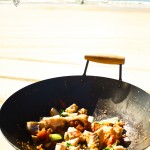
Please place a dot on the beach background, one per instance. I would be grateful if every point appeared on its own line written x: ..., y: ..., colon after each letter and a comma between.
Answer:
x: 41, y: 40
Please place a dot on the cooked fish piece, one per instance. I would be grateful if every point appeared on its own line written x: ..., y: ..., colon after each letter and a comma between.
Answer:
x: 65, y: 114
x: 118, y: 131
x: 108, y: 134
x: 60, y: 146
x: 83, y: 118
x: 74, y: 148
x: 72, y: 142
x: 33, y: 127
x: 46, y: 122
x: 100, y: 133
x: 105, y: 130
x: 72, y: 109
x: 93, y: 142
x: 119, y: 148
x: 65, y: 145
x: 71, y: 133
x: 86, y: 134
x: 82, y: 111
x: 54, y: 122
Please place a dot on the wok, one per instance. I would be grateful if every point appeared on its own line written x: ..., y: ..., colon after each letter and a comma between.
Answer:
x: 97, y: 94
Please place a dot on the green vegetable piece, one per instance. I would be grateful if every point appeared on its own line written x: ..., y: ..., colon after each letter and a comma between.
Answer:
x: 61, y: 112
x: 108, y: 148
x: 112, y: 147
x: 68, y: 144
x: 55, y: 137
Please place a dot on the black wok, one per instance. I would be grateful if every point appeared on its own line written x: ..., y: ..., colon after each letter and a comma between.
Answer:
x: 98, y: 94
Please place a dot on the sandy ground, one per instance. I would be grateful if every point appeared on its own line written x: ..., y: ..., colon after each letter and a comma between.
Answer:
x: 40, y: 41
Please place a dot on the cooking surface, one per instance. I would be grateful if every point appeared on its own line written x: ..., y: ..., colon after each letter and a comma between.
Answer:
x: 35, y: 47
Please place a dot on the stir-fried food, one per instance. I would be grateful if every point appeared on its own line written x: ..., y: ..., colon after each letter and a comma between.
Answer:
x: 73, y: 129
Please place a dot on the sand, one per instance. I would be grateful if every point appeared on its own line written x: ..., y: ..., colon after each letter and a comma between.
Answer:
x: 40, y: 41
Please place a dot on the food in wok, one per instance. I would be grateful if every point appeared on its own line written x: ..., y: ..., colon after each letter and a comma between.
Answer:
x: 103, y: 98
x: 73, y: 129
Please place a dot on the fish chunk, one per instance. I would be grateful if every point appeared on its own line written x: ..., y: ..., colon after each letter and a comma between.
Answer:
x: 33, y: 127
x: 72, y: 109
x: 60, y: 146
x: 82, y: 111
x: 67, y: 145
x: 82, y: 117
x: 93, y: 142
x: 53, y: 122
x: 86, y: 134
x: 119, y: 148
x: 71, y: 133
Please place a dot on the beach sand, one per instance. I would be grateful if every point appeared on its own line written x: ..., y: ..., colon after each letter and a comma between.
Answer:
x: 40, y: 41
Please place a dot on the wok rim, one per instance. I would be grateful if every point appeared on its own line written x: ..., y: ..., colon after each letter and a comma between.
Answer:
x: 32, y: 84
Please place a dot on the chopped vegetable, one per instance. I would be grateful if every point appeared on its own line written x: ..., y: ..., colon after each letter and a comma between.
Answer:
x: 54, y: 112
x: 42, y: 134
x: 108, y: 148
x: 91, y: 119
x: 111, y: 147
x: 68, y: 144
x: 55, y: 137
x: 61, y: 112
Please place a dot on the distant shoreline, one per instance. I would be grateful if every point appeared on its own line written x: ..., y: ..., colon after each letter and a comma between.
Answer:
x: 118, y: 4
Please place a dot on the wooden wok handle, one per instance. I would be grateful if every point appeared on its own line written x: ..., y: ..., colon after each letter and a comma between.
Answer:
x: 106, y: 59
